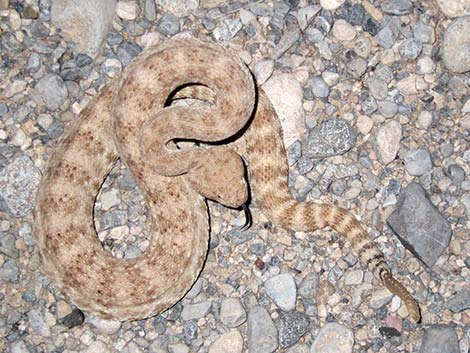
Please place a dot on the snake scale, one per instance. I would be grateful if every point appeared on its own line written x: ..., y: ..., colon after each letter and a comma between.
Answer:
x: 131, y: 119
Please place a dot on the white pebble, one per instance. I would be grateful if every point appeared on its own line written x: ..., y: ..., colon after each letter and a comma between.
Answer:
x: 425, y: 119
x: 343, y: 30
x: 127, y: 10
x: 331, y: 4
x: 364, y: 124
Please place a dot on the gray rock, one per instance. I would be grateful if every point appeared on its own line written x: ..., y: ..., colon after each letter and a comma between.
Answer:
x: 460, y: 301
x: 396, y: 7
x: 456, y: 45
x: 456, y: 173
x: 150, y: 10
x: 319, y: 87
x: 168, y: 24
x: 440, y: 339
x: 50, y: 91
x: 418, y: 162
x: 38, y: 322
x: 294, y: 152
x: 378, y: 88
x: 384, y: 72
x: 387, y: 108
x: 282, y: 290
x: 85, y: 22
x: 195, y: 290
x: 34, y: 63
x: 19, y: 181
x: 7, y: 245
x: 423, y: 32
x: 227, y: 30
x: 232, y: 313
x: 39, y: 30
x: 262, y: 334
x: 195, y: 311
x: 332, y: 137
x: 113, y: 219
x: 357, y: 67
x: 387, y: 36
x: 314, y: 35
x: 293, y: 325
x: 419, y: 225
x: 3, y: 109
x: 333, y: 338
x: 368, y: 103
x: 410, y: 48
x: 18, y: 346
x: 190, y: 331
x: 10, y: 272
x: 287, y: 40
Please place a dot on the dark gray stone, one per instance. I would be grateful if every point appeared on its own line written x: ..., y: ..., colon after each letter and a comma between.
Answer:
x: 460, y: 301
x: 419, y: 225
x: 160, y: 324
x: 332, y: 137
x: 19, y: 181
x: 127, y: 51
x: 370, y: 25
x: 396, y: 7
x: 319, y: 87
x: 168, y: 24
x: 115, y: 39
x: 440, y: 339
x: 410, y: 48
x: 75, y: 318
x: 368, y: 103
x: 293, y: 325
x: 190, y: 331
x: 456, y: 173
x: 262, y: 333
x: 356, y: 14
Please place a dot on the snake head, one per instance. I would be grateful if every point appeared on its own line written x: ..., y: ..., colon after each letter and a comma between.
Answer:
x: 220, y: 176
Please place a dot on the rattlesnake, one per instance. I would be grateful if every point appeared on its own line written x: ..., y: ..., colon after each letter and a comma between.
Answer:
x: 130, y: 119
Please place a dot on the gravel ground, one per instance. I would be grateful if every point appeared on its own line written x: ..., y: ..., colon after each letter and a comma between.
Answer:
x: 374, y: 98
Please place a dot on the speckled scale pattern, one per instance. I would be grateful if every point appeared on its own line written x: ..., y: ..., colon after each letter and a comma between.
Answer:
x: 127, y: 120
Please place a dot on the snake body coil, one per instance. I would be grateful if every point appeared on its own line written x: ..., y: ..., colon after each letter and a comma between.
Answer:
x: 130, y: 120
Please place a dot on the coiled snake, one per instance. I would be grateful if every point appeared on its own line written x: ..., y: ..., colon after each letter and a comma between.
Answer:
x: 131, y: 120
